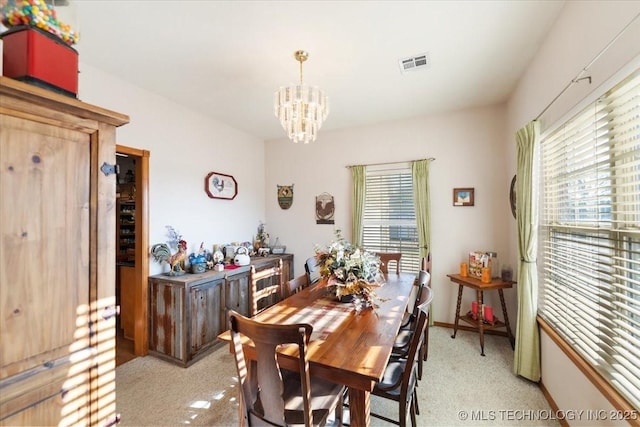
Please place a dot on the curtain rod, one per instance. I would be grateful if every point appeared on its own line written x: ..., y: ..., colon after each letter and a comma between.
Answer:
x: 579, y: 77
x: 391, y: 163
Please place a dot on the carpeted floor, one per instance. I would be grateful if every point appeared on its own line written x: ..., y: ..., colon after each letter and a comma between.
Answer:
x: 459, y: 387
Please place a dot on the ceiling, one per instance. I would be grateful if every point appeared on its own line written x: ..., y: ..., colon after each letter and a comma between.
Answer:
x: 225, y: 59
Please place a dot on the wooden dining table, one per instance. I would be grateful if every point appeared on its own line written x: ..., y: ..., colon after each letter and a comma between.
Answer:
x: 346, y: 347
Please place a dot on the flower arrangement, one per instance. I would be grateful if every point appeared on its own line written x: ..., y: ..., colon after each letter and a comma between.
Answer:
x: 349, y: 271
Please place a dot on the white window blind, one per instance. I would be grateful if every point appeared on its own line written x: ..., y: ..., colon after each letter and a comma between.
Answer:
x: 389, y: 223
x: 589, y: 261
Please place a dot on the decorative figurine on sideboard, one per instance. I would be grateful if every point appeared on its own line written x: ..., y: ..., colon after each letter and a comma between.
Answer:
x: 242, y: 257
x: 162, y: 252
x: 198, y: 261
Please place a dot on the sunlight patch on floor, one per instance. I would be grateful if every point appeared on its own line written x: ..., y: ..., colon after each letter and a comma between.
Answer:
x: 201, y: 404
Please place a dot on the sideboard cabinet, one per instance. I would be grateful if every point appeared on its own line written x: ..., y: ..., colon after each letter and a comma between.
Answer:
x: 188, y: 312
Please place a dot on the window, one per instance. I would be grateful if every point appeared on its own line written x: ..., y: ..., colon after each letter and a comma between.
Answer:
x: 589, y: 261
x: 389, y: 223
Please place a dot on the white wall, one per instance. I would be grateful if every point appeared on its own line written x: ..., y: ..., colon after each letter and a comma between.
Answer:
x: 473, y: 148
x: 185, y: 146
x: 581, y: 32
x: 467, y: 146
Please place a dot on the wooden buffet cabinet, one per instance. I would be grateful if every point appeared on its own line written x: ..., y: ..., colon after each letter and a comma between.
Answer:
x: 188, y: 312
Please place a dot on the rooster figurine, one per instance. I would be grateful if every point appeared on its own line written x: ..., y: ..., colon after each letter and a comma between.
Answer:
x: 161, y: 252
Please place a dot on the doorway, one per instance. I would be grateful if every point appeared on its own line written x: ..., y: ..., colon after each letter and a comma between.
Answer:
x: 132, y: 262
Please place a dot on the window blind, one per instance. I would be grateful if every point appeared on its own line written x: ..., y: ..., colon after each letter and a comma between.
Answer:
x: 389, y: 222
x: 589, y: 260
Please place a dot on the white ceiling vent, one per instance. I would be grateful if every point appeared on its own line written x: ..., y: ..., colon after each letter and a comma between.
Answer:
x: 414, y: 63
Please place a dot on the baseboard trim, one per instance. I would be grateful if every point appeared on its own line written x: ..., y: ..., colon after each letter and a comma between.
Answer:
x: 554, y: 406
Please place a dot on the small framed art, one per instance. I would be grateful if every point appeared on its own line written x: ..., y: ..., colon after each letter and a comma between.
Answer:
x: 463, y: 197
x: 220, y: 186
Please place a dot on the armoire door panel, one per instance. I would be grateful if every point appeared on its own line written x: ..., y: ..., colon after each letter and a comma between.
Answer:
x: 56, y: 259
x: 46, y: 225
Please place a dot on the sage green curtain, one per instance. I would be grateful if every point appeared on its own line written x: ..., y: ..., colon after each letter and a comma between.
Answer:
x: 422, y: 202
x: 358, y: 194
x: 421, y: 199
x: 526, y: 361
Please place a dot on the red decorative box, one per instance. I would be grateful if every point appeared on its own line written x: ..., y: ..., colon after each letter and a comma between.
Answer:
x: 40, y: 58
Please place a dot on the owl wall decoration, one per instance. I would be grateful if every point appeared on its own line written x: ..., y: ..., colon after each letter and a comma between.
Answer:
x: 285, y: 196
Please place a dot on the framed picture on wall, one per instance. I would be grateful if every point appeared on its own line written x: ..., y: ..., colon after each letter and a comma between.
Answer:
x: 220, y: 186
x: 463, y: 197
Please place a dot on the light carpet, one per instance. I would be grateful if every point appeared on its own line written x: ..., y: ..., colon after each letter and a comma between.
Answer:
x: 459, y: 388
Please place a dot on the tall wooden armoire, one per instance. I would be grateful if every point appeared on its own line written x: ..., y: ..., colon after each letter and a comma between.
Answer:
x: 57, y: 258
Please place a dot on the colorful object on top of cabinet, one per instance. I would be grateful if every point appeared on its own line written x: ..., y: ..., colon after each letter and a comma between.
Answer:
x: 38, y: 14
x: 285, y: 196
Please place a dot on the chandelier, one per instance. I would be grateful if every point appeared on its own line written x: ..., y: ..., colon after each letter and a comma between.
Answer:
x: 301, y: 109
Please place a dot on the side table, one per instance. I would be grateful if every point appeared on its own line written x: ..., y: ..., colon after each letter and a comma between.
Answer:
x: 479, y: 323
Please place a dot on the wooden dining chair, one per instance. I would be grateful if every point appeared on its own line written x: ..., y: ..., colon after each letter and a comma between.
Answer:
x: 297, y: 284
x: 386, y: 258
x: 400, y: 376
x: 312, y: 270
x: 402, y: 343
x: 426, y: 265
x: 273, y: 396
x: 266, y: 287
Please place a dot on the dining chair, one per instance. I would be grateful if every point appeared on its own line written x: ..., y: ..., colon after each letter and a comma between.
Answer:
x: 312, y: 270
x: 399, y: 380
x: 426, y: 265
x: 273, y: 396
x: 407, y: 329
x: 266, y: 287
x: 385, y: 258
x: 297, y: 284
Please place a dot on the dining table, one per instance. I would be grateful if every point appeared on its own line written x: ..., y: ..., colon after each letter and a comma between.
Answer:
x: 346, y: 347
